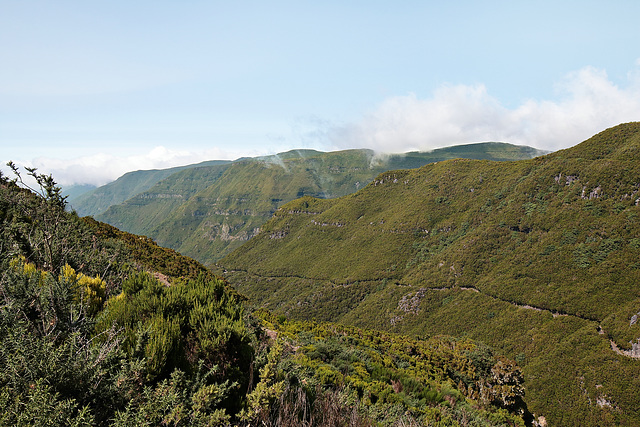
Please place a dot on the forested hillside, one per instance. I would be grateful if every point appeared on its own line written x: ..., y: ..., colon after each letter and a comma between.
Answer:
x: 207, y: 211
x: 538, y: 258
x: 102, y: 327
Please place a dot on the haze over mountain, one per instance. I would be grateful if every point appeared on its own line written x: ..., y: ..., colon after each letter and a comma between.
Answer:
x: 207, y: 210
x: 100, y: 89
x: 539, y: 258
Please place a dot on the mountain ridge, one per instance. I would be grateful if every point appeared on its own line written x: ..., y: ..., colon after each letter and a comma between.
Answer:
x: 206, y: 212
x: 95, y: 201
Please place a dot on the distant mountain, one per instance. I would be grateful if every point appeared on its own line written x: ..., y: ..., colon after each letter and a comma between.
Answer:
x: 74, y: 191
x: 128, y: 185
x: 539, y: 258
x: 207, y: 211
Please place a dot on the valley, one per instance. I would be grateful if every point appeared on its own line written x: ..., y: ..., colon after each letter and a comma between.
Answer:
x: 517, y: 275
x: 102, y: 327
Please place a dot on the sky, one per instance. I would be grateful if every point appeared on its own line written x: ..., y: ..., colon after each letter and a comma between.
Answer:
x: 92, y: 89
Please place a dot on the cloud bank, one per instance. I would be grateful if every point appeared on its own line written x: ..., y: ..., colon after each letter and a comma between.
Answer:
x: 588, y: 102
x: 102, y: 168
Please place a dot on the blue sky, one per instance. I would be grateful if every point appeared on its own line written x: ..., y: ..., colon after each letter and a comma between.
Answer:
x: 90, y: 90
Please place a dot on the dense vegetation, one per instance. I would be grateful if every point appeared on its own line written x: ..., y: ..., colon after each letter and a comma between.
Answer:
x: 538, y: 258
x: 90, y: 338
x: 386, y: 379
x: 207, y: 211
x: 101, y: 327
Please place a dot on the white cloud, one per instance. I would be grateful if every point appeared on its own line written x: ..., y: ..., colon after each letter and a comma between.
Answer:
x: 588, y: 102
x: 101, y: 168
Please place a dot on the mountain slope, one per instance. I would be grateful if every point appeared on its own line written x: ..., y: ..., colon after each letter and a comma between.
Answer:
x: 539, y: 258
x: 74, y: 191
x: 149, y: 208
x: 223, y: 206
x: 128, y: 185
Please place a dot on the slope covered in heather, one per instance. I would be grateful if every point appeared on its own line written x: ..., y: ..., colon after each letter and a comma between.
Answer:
x: 539, y: 258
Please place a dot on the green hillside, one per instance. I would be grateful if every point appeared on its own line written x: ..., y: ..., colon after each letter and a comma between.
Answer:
x: 74, y: 191
x: 148, y: 209
x: 206, y: 212
x: 539, y: 258
x: 96, y: 201
x: 99, y: 327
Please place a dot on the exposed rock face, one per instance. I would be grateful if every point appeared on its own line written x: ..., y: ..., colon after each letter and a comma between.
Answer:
x: 567, y: 178
x: 593, y: 194
x: 634, y: 319
x: 635, y: 349
x: 540, y: 422
x: 633, y: 353
x: 278, y: 235
x: 410, y: 303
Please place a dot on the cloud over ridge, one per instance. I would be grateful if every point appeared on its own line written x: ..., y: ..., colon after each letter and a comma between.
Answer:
x: 102, y: 168
x: 587, y: 102
x: 456, y: 114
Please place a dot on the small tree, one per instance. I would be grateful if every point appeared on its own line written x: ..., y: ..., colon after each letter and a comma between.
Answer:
x: 40, y: 225
x: 47, y: 189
